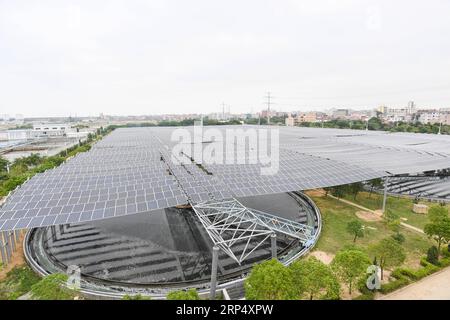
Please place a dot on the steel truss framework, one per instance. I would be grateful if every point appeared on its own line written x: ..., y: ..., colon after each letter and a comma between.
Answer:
x: 232, y: 227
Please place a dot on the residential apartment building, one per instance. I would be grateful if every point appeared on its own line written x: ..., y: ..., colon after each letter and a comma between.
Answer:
x: 429, y: 116
x: 305, y: 117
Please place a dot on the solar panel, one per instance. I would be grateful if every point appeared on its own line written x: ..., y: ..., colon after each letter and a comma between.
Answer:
x: 130, y: 171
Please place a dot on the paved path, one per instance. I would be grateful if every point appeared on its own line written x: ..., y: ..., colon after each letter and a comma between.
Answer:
x: 410, y: 227
x: 352, y: 204
x: 434, y: 287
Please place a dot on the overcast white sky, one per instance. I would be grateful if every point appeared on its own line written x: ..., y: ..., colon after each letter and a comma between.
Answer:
x: 61, y: 58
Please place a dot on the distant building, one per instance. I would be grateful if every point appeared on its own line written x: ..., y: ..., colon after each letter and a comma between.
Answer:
x: 398, y: 114
x: 383, y: 110
x: 445, y: 118
x: 429, y: 117
x: 19, y: 134
x: 51, y: 130
x: 405, y: 114
x: 411, y: 107
x: 305, y: 117
x: 290, y: 121
x: 341, y: 114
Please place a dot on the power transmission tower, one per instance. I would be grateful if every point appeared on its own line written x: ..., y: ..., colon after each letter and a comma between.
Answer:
x: 268, y: 97
x: 223, y: 111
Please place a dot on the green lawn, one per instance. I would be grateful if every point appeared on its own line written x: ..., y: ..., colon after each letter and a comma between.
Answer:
x: 336, y: 215
x: 401, y: 206
x: 18, y: 281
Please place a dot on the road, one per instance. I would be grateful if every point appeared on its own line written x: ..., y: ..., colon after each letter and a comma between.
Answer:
x: 434, y: 287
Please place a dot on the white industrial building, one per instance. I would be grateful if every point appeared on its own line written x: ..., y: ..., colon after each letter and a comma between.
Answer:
x: 51, y: 129
x: 19, y: 134
x: 43, y: 130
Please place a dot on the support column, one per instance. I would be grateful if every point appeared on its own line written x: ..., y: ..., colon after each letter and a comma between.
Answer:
x: 12, y: 239
x: 386, y: 181
x: 53, y: 231
x: 215, y: 259
x: 2, y: 251
x: 7, y: 245
x: 273, y: 245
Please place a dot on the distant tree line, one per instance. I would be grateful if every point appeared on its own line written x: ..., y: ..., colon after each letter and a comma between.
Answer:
x: 376, y: 123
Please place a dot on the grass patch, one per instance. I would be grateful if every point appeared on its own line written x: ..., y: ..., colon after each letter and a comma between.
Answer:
x: 334, y: 237
x: 402, y: 206
x: 18, y: 281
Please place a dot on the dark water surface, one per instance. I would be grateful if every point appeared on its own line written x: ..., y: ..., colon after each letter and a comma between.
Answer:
x: 158, y: 247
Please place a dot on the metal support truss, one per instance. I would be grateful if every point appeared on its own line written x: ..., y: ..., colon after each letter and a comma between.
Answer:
x: 239, y: 230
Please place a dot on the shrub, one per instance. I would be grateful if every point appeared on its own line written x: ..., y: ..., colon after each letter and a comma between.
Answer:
x: 399, y: 237
x: 433, y: 255
x: 190, y: 294
x: 445, y: 253
x: 425, y: 271
x: 411, y: 274
x: 13, y: 182
x: 135, y: 297
x: 52, y: 287
x: 445, y: 262
x: 18, y: 282
x: 366, y: 294
x: 394, y: 285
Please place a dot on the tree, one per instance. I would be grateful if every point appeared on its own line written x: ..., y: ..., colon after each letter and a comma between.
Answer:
x: 375, y: 184
x: 388, y: 252
x: 356, y: 229
x: 18, y: 168
x: 3, y: 164
x: 32, y: 160
x: 393, y: 222
x: 52, y: 287
x: 338, y: 191
x: 355, y: 188
x: 313, y: 279
x: 269, y: 280
x: 190, y: 294
x: 439, y: 226
x: 433, y: 255
x: 375, y: 124
x: 350, y: 266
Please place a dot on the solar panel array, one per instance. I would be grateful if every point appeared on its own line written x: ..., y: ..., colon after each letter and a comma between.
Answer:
x: 132, y: 171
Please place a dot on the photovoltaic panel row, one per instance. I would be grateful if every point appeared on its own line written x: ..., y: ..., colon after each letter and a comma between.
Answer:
x: 131, y: 171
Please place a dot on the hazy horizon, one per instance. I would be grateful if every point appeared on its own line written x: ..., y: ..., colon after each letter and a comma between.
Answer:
x: 174, y: 57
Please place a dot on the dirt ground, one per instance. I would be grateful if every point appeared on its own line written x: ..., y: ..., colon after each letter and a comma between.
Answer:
x: 17, y: 258
x: 323, y: 256
x: 315, y: 193
x: 368, y: 216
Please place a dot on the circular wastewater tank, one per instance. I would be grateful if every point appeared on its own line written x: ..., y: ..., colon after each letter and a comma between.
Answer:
x: 159, y: 250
